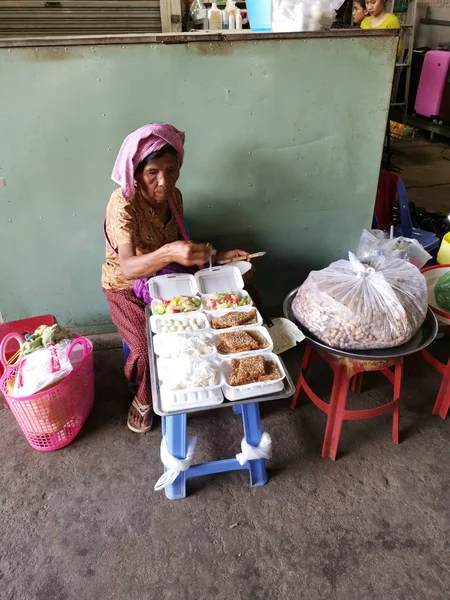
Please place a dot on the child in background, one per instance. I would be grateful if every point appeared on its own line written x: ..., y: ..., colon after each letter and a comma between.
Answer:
x: 338, y: 22
x: 380, y: 19
x: 359, y: 11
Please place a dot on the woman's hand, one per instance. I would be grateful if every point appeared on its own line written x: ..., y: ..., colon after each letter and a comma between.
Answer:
x: 188, y: 253
x: 221, y: 256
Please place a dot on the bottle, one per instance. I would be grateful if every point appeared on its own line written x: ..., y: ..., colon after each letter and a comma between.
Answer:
x: 224, y: 19
x: 238, y: 18
x: 231, y: 12
x: 215, y: 17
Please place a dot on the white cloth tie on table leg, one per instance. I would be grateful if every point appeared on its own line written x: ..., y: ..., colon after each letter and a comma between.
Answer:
x: 174, y: 465
x: 264, y: 450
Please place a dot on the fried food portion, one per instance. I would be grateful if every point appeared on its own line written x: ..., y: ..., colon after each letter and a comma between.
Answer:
x: 241, y: 341
x: 234, y: 319
x: 253, y: 370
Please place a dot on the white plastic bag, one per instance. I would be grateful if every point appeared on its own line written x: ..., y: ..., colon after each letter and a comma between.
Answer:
x: 174, y: 466
x: 377, y: 243
x: 378, y: 303
x: 264, y: 450
x: 42, y: 368
x: 303, y: 15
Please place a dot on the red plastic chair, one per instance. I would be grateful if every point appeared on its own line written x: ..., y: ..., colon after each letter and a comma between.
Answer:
x: 23, y: 327
x: 442, y: 404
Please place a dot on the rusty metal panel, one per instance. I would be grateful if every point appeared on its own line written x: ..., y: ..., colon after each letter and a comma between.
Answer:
x: 283, y: 145
x: 29, y: 18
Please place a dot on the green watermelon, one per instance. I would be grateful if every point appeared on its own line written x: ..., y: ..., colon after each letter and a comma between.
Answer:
x: 442, y: 292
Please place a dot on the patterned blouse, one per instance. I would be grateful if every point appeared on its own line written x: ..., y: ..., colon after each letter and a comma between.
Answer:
x: 134, y: 221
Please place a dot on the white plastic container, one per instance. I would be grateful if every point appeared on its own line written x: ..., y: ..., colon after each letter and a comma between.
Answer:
x: 252, y: 390
x: 225, y: 278
x: 162, y: 344
x: 177, y: 400
x: 157, y: 321
x: 220, y: 313
x: 261, y: 330
x: 170, y: 286
x: 219, y: 280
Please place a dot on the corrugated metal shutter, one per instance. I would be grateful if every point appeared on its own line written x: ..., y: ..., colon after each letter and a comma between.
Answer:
x: 29, y: 18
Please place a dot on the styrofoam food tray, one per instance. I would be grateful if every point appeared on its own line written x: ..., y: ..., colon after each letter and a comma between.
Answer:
x: 261, y: 330
x: 219, y: 279
x: 161, y: 342
x: 169, y: 286
x: 264, y: 388
x: 183, y: 399
x: 191, y: 312
x: 175, y: 400
x: 157, y: 320
x: 240, y: 293
x: 221, y: 313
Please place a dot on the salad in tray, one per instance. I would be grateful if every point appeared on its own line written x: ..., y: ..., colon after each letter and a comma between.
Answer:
x: 225, y: 300
x: 179, y: 304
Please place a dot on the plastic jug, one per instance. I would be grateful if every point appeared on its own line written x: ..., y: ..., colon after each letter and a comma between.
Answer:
x: 443, y: 256
x: 260, y: 14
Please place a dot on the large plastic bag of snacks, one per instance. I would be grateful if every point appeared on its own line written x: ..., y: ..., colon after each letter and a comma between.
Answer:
x: 304, y: 15
x: 353, y: 305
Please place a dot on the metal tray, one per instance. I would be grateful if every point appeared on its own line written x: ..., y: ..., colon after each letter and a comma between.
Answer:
x: 287, y: 391
x: 421, y: 340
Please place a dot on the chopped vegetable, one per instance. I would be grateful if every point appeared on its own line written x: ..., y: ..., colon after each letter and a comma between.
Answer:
x: 225, y: 300
x: 179, y: 304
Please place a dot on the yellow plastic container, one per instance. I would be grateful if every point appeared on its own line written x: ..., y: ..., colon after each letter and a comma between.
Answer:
x: 443, y: 256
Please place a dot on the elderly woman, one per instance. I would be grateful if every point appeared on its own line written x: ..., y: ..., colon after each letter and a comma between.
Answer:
x: 145, y: 236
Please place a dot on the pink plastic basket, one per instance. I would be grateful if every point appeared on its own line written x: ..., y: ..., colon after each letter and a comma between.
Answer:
x: 53, y: 418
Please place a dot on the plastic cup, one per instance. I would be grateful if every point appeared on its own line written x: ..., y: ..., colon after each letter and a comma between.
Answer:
x: 260, y: 14
x: 443, y: 256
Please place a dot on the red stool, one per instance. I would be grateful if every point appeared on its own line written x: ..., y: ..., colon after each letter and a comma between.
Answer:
x: 348, y: 371
x: 442, y: 404
x: 22, y: 327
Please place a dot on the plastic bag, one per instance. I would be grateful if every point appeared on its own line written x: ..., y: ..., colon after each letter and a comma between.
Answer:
x: 303, y: 15
x: 197, y: 10
x: 378, y: 303
x: 44, y: 368
x: 377, y: 243
x: 264, y: 450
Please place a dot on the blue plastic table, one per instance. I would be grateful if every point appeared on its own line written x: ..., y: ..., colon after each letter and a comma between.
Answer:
x: 174, y: 428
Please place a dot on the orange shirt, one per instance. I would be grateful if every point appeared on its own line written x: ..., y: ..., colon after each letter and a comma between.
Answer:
x: 134, y: 221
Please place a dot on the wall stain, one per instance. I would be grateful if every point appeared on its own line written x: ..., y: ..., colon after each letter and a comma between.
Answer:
x: 212, y: 48
x: 47, y: 53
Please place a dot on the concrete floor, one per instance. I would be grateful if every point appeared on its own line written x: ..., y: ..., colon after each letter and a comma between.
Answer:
x: 425, y: 169
x: 84, y: 523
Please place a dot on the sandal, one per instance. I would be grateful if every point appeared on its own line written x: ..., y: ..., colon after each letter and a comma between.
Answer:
x: 143, y: 410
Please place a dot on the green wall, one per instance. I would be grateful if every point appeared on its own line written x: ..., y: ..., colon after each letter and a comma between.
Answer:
x: 283, y: 146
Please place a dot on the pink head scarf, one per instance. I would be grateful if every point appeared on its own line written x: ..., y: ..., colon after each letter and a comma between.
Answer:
x: 138, y: 145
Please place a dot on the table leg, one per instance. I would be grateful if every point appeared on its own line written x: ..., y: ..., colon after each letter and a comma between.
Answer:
x: 398, y: 375
x: 340, y: 374
x: 175, y: 432
x: 442, y: 404
x: 252, y: 434
x: 339, y: 414
x: 237, y: 409
x: 303, y: 369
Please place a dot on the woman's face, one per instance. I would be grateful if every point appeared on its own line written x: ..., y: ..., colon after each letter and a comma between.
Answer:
x: 359, y: 13
x: 158, y: 179
x: 374, y: 7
